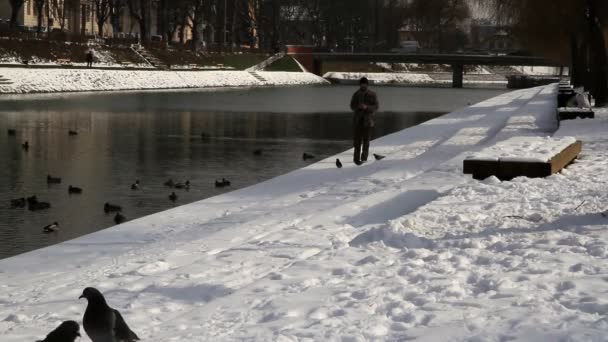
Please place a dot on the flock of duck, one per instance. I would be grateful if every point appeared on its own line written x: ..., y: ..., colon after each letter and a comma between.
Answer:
x: 33, y: 204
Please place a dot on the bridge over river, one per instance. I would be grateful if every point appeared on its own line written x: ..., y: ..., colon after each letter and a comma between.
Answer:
x: 313, y: 61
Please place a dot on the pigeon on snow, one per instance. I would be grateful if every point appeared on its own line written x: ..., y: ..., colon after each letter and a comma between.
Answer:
x: 101, y: 322
x: 66, y: 332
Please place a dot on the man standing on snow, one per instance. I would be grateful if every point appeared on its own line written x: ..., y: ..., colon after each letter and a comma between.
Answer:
x: 364, y: 104
x: 90, y: 58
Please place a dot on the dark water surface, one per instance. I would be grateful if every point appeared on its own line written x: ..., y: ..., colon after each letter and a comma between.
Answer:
x: 155, y: 136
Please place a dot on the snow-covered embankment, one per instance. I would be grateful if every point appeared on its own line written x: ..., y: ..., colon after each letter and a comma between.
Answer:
x: 399, y: 249
x: 24, y: 80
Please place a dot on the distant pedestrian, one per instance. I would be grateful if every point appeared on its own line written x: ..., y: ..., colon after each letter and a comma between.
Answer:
x: 364, y: 104
x: 90, y: 58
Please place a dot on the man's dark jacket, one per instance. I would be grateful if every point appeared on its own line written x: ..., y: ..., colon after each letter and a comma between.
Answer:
x: 365, y: 117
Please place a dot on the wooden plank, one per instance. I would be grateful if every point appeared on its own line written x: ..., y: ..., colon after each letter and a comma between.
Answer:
x: 507, y: 170
x: 566, y: 157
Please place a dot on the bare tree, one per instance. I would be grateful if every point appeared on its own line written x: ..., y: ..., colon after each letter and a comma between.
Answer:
x: 116, y: 8
x: 60, y: 11
x: 103, y: 10
x: 15, y: 8
x: 570, y: 31
x: 39, y: 6
x: 196, y: 14
x: 140, y: 11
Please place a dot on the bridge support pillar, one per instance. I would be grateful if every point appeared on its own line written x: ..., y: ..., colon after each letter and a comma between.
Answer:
x: 317, y: 68
x: 457, y: 75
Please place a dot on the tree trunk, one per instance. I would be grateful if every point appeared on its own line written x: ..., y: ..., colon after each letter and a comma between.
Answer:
x: 195, y: 36
x: 598, y: 63
x: 598, y: 68
x: 234, y: 27
x: 15, y: 8
x: 100, y: 28
x: 40, y: 7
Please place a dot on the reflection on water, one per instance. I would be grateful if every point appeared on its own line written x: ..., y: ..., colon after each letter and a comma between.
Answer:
x: 153, y: 137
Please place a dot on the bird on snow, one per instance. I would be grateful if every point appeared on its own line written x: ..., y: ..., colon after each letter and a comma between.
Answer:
x: 135, y: 186
x: 65, y: 332
x: 338, y: 164
x: 173, y: 197
x: 101, y: 322
x: 119, y: 218
x: 74, y: 190
x: 379, y: 157
x: 51, y: 228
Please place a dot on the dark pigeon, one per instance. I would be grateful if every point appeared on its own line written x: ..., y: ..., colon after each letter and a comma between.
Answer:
x: 378, y: 157
x: 101, y: 322
x: 338, y: 164
x: 65, y: 332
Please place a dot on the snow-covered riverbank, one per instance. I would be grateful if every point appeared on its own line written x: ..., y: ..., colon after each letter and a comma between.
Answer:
x: 24, y: 80
x: 399, y: 249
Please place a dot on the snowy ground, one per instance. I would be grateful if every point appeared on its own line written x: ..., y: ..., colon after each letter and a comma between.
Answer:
x: 23, y: 80
x: 415, y: 78
x: 399, y: 249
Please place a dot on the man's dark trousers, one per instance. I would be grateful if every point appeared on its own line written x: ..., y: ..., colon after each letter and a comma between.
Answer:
x: 363, y: 135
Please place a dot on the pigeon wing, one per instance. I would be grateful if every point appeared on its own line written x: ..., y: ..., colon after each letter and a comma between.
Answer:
x: 122, y: 330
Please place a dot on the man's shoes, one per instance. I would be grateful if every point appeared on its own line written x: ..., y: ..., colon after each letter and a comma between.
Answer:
x: 357, y: 162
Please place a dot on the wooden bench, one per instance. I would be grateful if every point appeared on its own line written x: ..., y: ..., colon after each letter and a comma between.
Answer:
x: 64, y: 61
x: 572, y: 113
x: 508, y: 169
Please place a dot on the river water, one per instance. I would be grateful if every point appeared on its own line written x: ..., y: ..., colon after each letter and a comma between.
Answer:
x: 156, y: 136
